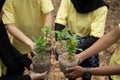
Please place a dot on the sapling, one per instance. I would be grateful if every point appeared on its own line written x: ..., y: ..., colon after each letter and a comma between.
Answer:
x: 42, y: 43
x: 67, y: 59
x: 61, y: 34
x: 60, y: 49
x: 69, y: 44
x: 41, y: 61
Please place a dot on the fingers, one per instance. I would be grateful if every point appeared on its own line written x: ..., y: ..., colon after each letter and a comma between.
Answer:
x: 29, y: 56
x: 72, y: 72
x: 69, y: 72
x: 31, y: 67
x: 37, y: 76
x: 70, y: 69
x: 33, y: 53
x: 26, y: 71
x: 69, y: 75
x: 44, y: 73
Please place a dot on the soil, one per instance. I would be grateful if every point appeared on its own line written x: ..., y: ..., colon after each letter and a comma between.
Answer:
x: 113, y: 19
x: 41, y: 65
x: 65, y: 61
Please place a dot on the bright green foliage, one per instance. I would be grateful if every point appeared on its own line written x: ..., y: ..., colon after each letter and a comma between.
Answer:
x: 42, y: 42
x: 70, y: 43
x: 61, y: 34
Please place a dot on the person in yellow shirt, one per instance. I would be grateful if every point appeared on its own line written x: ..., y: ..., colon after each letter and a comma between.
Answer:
x: 24, y: 19
x: 12, y: 62
x: 86, y: 18
x: 113, y: 69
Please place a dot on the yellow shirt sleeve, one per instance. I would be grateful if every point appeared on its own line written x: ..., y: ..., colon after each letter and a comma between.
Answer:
x: 63, y: 12
x: 98, y: 22
x: 8, y: 12
x: 46, y: 6
x: 119, y: 25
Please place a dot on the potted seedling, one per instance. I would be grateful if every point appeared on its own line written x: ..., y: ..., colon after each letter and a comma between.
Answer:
x: 59, y: 47
x: 67, y: 59
x: 41, y: 61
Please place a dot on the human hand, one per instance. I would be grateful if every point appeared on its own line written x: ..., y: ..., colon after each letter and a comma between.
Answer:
x: 31, y: 67
x: 32, y: 52
x: 38, y: 76
x: 78, y: 57
x: 74, y: 72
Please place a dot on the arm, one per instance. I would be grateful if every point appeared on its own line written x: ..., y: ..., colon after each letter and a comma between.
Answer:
x: 48, y: 19
x: 103, y: 43
x: 47, y: 11
x: 106, y: 70
x: 78, y: 71
x: 8, y: 19
x: 19, y: 35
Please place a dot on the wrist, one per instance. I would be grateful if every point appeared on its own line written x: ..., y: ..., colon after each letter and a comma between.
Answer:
x: 30, y: 44
x: 87, y: 74
x: 80, y: 59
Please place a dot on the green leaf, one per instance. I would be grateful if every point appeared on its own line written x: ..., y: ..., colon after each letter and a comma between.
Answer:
x: 69, y: 44
x: 35, y: 38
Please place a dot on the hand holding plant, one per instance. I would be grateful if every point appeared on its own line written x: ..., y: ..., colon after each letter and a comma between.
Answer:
x: 42, y: 61
x: 67, y: 59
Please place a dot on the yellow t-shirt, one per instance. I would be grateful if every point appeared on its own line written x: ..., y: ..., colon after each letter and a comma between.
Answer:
x: 115, y: 59
x: 92, y: 23
x: 28, y: 16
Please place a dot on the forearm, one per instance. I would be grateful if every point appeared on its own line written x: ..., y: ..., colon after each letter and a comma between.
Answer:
x: 19, y: 34
x: 48, y: 19
x: 101, y: 44
x: 106, y: 70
